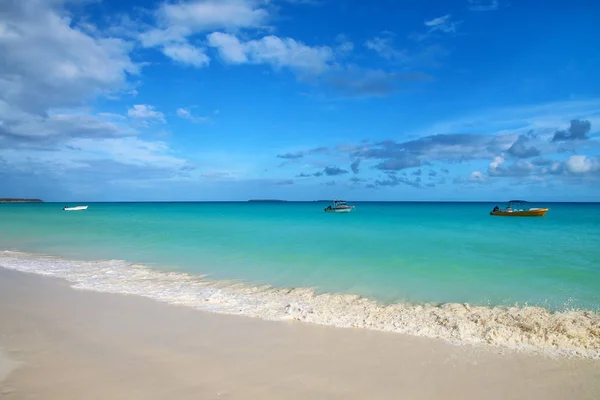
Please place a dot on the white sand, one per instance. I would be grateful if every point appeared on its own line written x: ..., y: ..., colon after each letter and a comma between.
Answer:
x: 7, y: 365
x: 533, y: 329
x: 85, y: 345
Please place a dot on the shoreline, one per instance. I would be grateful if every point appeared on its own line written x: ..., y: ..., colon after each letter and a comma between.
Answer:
x: 73, y: 344
x: 527, y: 329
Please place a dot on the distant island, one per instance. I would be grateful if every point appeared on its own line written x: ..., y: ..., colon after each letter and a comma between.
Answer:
x: 9, y: 200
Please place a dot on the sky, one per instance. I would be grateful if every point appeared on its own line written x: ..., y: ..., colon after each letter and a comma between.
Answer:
x: 204, y: 100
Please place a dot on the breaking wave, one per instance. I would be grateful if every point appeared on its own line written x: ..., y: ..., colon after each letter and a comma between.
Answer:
x: 574, y: 333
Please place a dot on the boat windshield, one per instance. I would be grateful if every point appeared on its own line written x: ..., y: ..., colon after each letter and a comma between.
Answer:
x: 518, y: 205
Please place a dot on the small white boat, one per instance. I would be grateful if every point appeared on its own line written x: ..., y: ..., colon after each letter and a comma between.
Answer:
x: 339, y: 206
x: 76, y: 208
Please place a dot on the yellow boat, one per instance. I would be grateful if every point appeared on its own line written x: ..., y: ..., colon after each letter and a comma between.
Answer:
x: 519, y: 208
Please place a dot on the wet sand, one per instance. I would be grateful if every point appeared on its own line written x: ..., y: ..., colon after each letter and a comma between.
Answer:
x: 61, y: 343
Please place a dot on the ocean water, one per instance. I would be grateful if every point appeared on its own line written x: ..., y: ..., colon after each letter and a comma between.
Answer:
x: 407, y: 267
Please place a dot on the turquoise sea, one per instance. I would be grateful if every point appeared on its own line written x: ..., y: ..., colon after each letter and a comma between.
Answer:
x: 412, y: 254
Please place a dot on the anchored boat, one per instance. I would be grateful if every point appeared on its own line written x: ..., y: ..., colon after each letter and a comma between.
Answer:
x: 519, y: 208
x: 76, y: 208
x: 339, y: 206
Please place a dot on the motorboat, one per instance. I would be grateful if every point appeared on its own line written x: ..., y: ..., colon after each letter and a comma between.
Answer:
x: 519, y: 208
x: 339, y: 206
x: 76, y: 208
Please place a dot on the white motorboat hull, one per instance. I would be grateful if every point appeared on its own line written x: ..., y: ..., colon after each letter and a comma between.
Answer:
x: 338, y: 210
x: 77, y: 208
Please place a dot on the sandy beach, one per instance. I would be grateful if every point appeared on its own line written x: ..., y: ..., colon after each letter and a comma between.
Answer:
x: 61, y: 343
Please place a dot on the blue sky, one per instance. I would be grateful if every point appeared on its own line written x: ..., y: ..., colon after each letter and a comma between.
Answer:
x: 112, y: 100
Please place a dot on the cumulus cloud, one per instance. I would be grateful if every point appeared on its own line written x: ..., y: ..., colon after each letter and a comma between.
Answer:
x: 576, y: 168
x: 520, y: 168
x: 206, y: 15
x: 446, y: 148
x: 522, y: 149
x: 178, y: 22
x: 355, y: 166
x: 272, y: 50
x: 52, y: 66
x: 512, y: 155
x: 222, y: 27
x: 186, y: 54
x: 222, y: 21
x: 145, y: 113
x: 581, y: 164
x: 577, y: 130
x: 49, y: 65
x: 477, y: 176
x: 32, y: 131
x: 48, y: 62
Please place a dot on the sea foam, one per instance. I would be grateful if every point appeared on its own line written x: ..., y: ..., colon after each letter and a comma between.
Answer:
x: 574, y: 333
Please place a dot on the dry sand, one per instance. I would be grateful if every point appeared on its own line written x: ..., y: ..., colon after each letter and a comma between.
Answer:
x: 60, y: 343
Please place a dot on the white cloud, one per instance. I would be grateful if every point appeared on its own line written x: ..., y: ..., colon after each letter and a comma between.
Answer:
x: 208, y: 15
x: 178, y: 22
x: 581, y: 164
x: 442, y: 24
x: 477, y: 177
x: 272, y: 50
x: 25, y: 130
x: 158, y: 37
x: 47, y: 62
x: 520, y: 168
x: 87, y: 157
x: 186, y: 54
x: 230, y: 48
x: 496, y: 162
x: 187, y: 114
x: 183, y: 113
x: 145, y: 113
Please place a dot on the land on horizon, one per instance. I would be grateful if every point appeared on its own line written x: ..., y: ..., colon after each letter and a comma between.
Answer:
x: 17, y: 200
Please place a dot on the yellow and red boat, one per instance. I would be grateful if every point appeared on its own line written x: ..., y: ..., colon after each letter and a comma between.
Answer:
x: 519, y: 208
